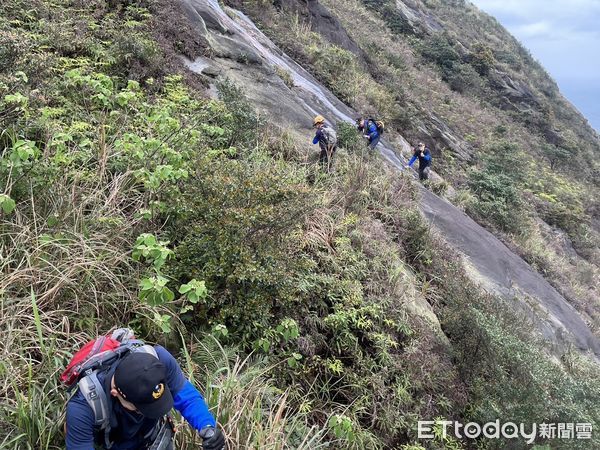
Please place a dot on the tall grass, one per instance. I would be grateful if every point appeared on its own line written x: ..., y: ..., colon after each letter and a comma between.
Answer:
x: 253, y: 412
x: 59, y: 291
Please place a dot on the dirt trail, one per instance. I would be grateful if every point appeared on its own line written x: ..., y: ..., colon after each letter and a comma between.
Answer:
x: 487, y: 259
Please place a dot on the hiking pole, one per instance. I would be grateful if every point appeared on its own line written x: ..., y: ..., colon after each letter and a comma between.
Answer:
x: 329, y: 157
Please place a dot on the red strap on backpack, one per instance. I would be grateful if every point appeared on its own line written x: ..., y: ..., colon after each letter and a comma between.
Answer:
x: 85, y: 356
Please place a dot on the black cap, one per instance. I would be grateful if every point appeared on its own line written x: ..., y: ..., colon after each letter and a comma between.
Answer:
x: 141, y: 379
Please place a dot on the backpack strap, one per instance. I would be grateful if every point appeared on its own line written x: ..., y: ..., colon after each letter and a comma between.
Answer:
x: 161, y: 436
x: 96, y: 397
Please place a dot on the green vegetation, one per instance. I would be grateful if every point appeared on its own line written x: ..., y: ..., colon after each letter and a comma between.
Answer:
x: 497, y: 189
x: 306, y: 310
x: 452, y: 76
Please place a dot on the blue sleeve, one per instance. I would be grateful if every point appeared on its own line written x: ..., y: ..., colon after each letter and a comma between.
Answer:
x: 187, y: 400
x: 80, y: 424
x: 175, y: 377
x: 412, y: 160
x: 190, y: 403
x: 317, y: 137
x: 427, y: 155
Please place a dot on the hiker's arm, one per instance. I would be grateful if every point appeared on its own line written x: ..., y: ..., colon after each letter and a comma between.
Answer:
x: 316, y: 138
x: 80, y: 426
x: 187, y: 399
x: 190, y: 403
x: 427, y: 156
x: 412, y: 160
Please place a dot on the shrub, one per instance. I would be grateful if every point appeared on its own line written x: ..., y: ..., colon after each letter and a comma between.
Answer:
x: 236, y: 232
x: 285, y: 75
x: 439, y: 50
x: 482, y: 58
x: 498, y: 200
x: 556, y: 155
x: 396, y: 22
x: 498, y: 188
x: 348, y: 137
x: 245, y: 124
x: 327, y: 59
x: 463, y: 78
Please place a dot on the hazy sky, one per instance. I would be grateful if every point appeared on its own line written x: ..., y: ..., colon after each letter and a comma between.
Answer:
x: 564, y: 36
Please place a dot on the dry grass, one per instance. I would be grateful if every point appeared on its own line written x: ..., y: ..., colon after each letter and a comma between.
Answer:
x: 254, y: 413
x: 64, y: 284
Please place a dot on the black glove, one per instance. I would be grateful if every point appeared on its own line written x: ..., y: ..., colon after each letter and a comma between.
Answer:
x: 212, y: 439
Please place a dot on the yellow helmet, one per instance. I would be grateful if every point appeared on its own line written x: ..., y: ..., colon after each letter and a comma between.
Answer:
x: 318, y: 119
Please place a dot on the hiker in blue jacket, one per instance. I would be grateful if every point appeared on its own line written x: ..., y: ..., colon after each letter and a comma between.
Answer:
x: 143, y: 389
x: 422, y: 153
x: 326, y: 137
x: 370, y: 131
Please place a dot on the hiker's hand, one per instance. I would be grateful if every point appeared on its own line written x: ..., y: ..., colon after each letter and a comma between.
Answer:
x: 212, y: 439
x: 422, y: 154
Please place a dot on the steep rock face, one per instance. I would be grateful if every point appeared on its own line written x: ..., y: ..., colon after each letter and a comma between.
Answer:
x: 322, y: 22
x: 441, y: 136
x: 514, y: 93
x: 502, y: 272
x: 416, y: 18
x: 491, y: 263
x: 203, y: 15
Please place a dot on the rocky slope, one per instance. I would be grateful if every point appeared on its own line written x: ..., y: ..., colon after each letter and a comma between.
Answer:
x: 312, y: 310
x: 244, y: 54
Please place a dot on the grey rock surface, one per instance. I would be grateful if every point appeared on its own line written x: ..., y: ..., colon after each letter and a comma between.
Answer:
x: 486, y: 258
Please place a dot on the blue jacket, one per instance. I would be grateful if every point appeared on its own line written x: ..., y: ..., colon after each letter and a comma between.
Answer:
x: 370, y: 129
x: 131, y: 426
x: 424, y: 161
x: 318, y: 137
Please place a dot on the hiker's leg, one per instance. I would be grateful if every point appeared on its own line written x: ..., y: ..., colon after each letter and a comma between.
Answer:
x: 426, y: 171
x: 374, y: 143
x: 323, y: 158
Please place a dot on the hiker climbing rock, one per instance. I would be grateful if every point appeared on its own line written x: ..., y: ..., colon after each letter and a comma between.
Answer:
x: 422, y: 153
x: 125, y: 390
x: 371, y: 129
x: 327, y: 140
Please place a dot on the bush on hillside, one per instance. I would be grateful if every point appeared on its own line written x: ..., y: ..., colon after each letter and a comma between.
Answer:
x: 498, y: 200
x: 439, y: 50
x: 349, y: 138
x: 498, y: 188
x: 482, y: 58
x: 464, y: 79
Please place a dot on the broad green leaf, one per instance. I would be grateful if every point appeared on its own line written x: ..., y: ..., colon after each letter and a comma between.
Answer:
x: 7, y: 204
x: 184, y: 288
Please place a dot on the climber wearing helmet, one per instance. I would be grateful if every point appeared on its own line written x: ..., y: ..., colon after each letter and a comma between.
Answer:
x: 326, y: 137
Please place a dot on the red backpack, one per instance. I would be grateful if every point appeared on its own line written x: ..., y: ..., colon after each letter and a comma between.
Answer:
x: 97, y: 356
x: 98, y: 353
